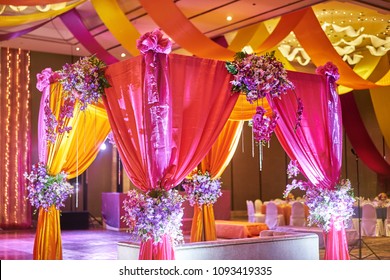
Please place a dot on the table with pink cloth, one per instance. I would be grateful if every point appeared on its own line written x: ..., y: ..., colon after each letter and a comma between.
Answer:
x: 238, y: 229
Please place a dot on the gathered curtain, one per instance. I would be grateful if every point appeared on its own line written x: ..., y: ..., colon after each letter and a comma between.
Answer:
x: 317, y: 145
x: 215, y: 162
x: 72, y: 152
x: 163, y: 134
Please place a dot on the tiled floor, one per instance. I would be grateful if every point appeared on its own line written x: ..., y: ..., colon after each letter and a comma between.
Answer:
x: 100, y: 244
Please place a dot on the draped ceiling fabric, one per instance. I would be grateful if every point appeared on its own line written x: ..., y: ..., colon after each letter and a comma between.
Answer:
x: 358, y: 135
x: 195, y: 95
x: 72, y: 152
x: 317, y: 144
x: 8, y: 21
x: 15, y: 138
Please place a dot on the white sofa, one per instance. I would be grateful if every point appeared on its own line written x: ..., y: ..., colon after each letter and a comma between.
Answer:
x: 290, y: 246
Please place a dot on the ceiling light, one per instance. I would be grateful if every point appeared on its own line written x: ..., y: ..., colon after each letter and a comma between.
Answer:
x: 123, y: 55
x: 77, y: 48
x: 229, y: 18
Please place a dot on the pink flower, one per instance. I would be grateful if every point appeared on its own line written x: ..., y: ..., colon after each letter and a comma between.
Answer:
x: 154, y: 41
x: 43, y: 79
x: 329, y: 69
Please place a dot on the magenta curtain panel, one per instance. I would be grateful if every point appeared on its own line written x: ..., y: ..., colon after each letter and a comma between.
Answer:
x: 165, y: 122
x: 317, y: 145
x: 15, y: 130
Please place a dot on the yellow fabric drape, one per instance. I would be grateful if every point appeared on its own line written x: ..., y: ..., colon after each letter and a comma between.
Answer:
x: 364, y: 69
x: 118, y: 24
x: 223, y: 149
x: 7, y: 21
x: 316, y: 44
x: 203, y: 224
x: 48, y: 243
x: 215, y: 162
x: 72, y: 152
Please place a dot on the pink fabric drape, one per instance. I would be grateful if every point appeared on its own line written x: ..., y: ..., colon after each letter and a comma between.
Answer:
x: 163, y: 133
x: 317, y: 145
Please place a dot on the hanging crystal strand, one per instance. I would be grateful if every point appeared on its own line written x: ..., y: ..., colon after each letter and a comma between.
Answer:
x: 242, y: 141
x: 261, y: 156
x: 253, y: 144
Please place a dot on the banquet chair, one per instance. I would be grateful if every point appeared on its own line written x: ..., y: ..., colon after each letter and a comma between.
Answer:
x: 272, y: 218
x: 387, y: 222
x: 297, y: 217
x: 371, y: 225
x: 254, y: 217
x: 258, y: 204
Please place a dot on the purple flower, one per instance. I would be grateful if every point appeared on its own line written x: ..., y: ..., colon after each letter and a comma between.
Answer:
x: 45, y: 190
x: 154, y: 215
x: 263, y: 126
x: 154, y: 41
x: 201, y: 189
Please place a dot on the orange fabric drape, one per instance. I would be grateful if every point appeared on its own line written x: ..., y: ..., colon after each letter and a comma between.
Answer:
x: 223, y: 149
x: 215, y: 162
x: 203, y: 224
x: 48, y: 243
x: 168, y: 16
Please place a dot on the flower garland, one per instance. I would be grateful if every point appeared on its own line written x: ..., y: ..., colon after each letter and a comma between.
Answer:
x: 263, y: 126
x: 325, y: 205
x: 258, y: 76
x: 153, y: 215
x: 201, y: 189
x: 329, y: 69
x: 83, y: 80
x: 46, y: 190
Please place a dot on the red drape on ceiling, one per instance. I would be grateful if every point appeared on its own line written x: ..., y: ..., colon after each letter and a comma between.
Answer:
x: 359, y: 138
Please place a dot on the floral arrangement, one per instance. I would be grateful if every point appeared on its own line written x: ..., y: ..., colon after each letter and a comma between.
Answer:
x: 45, y: 190
x: 328, y: 204
x: 83, y: 80
x: 153, y: 215
x: 201, y: 189
x: 263, y: 126
x: 154, y: 41
x: 325, y: 205
x: 258, y: 76
x: 329, y: 69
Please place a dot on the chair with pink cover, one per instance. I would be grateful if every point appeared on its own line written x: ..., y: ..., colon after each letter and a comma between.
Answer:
x: 371, y: 225
x: 387, y: 222
x: 272, y: 218
x: 297, y: 217
x: 254, y: 217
